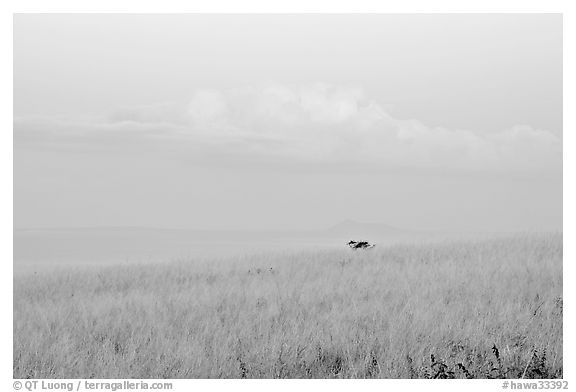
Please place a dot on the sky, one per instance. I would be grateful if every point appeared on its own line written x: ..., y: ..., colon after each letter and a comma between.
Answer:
x: 446, y: 122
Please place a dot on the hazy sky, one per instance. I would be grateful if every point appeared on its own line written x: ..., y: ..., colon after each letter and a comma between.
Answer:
x: 288, y: 121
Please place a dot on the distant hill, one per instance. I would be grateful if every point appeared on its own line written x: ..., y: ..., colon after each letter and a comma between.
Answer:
x: 362, y: 230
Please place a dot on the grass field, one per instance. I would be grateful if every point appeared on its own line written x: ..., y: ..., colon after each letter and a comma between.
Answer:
x: 464, y: 309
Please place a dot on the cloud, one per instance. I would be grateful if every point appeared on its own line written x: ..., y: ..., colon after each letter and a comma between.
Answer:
x: 208, y: 108
x: 312, y: 123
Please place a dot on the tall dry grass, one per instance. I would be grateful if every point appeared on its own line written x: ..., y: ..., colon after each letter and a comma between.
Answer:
x: 490, y: 308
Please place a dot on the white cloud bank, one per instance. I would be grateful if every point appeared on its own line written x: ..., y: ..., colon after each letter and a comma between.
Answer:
x: 313, y: 123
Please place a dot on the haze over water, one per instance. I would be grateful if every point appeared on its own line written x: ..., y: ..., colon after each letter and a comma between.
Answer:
x: 45, y: 248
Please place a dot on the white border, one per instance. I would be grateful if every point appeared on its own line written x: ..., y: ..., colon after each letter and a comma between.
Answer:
x: 294, y: 6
